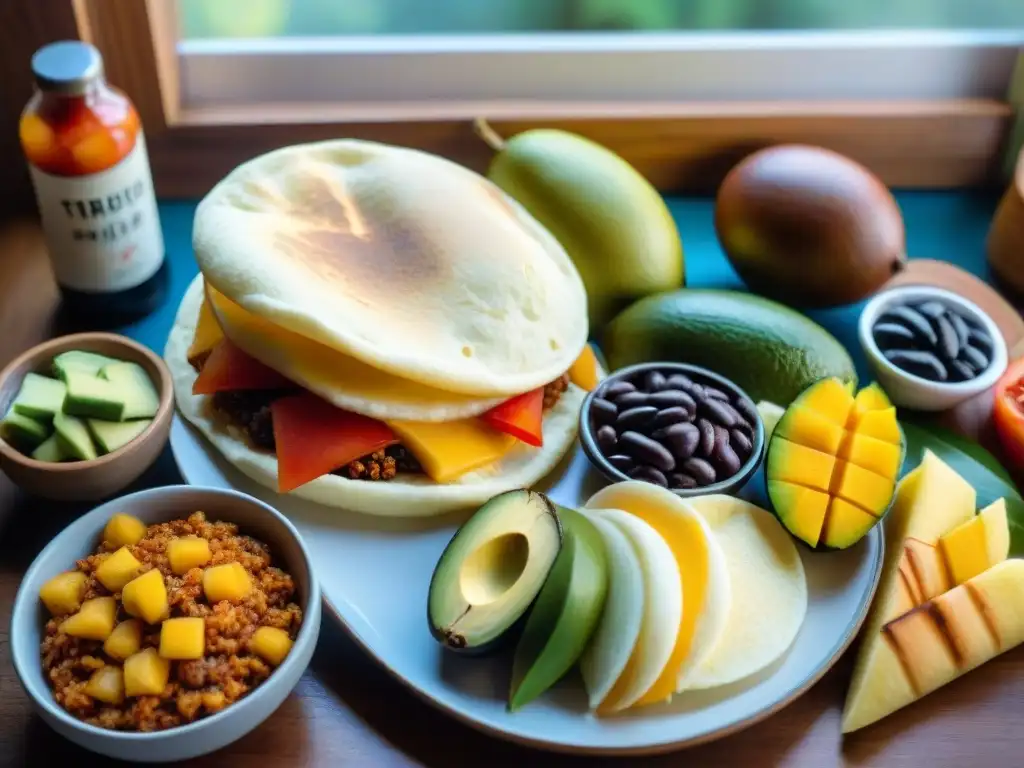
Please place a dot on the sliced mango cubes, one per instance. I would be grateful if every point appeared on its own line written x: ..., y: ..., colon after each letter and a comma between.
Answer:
x: 94, y: 620
x: 146, y: 597
x: 63, y: 593
x: 832, y: 465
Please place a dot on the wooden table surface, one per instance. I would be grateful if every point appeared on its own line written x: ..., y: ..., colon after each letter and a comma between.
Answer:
x: 347, y: 711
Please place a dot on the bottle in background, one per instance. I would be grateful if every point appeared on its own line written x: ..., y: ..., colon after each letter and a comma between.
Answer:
x: 87, y: 157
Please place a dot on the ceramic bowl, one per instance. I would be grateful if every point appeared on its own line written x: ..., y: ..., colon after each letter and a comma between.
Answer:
x: 597, y: 458
x: 156, y: 505
x: 104, y: 476
x: 909, y: 391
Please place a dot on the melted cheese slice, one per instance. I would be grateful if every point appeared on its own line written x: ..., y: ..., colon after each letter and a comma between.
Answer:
x: 702, y: 570
x: 452, y: 448
x: 207, y: 335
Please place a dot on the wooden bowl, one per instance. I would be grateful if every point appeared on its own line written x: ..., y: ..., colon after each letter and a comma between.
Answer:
x: 1006, y: 236
x: 96, y: 478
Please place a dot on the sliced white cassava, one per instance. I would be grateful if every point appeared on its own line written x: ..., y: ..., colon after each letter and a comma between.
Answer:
x: 663, y: 609
x: 616, y: 634
x: 769, y: 590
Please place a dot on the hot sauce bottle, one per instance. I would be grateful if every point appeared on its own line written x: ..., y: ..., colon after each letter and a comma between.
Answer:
x: 87, y: 157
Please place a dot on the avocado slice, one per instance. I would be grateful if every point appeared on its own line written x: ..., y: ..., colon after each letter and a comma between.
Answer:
x: 492, y: 570
x: 49, y: 450
x: 92, y: 397
x: 78, y: 360
x: 73, y: 437
x: 21, y: 431
x: 141, y: 400
x: 111, y: 435
x: 40, y: 397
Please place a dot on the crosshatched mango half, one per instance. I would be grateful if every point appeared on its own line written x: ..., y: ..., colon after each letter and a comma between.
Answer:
x: 833, y: 461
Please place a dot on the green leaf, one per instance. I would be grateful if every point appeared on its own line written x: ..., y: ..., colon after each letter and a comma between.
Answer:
x: 975, y: 465
x: 964, y: 445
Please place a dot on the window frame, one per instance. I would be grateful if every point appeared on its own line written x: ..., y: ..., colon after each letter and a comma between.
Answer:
x: 955, y: 138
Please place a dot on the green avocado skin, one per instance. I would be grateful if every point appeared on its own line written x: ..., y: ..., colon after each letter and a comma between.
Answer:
x: 766, y: 348
x: 613, y: 224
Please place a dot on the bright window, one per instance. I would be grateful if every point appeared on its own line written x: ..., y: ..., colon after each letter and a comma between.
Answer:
x: 594, y: 51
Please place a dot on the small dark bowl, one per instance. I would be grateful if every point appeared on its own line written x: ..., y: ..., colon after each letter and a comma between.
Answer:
x: 728, y: 485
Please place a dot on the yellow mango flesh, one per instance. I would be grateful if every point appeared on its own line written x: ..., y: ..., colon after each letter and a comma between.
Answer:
x: 146, y: 673
x: 809, y: 428
x: 94, y: 620
x: 123, y: 530
x: 797, y: 464
x: 920, y: 643
x: 63, y: 593
x: 183, y: 638
x: 107, y: 685
x: 806, y: 509
x: 845, y: 524
x: 874, y: 455
x: 187, y: 552
x: 229, y: 582
x: 882, y: 425
x: 830, y: 398
x: 118, y: 569
x: 978, y: 544
x: 865, y: 489
x: 973, y: 643
x: 925, y: 570
x: 125, y: 640
x: 271, y: 644
x: 146, y: 597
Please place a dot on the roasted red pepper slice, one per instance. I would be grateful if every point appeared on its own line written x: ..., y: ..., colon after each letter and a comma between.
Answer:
x: 314, y: 438
x: 521, y: 417
x: 1008, y: 412
x: 227, y: 367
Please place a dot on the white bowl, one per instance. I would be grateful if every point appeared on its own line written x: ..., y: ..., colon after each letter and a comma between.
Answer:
x: 156, y: 505
x: 909, y: 391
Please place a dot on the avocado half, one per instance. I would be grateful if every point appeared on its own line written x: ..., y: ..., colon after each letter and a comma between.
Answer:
x: 492, y: 570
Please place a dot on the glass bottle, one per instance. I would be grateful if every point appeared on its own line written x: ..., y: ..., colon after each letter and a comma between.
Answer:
x: 87, y: 157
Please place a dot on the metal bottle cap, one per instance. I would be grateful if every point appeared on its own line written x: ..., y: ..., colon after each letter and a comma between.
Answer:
x: 67, y: 66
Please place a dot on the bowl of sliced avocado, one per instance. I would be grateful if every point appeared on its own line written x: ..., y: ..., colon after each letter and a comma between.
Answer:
x: 83, y: 415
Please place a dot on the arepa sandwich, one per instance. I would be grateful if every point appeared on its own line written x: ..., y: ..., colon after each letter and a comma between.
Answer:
x: 379, y: 329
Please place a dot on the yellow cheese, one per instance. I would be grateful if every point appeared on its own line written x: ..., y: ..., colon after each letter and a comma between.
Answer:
x: 207, y: 335
x: 978, y: 544
x: 447, y: 449
x: 585, y: 372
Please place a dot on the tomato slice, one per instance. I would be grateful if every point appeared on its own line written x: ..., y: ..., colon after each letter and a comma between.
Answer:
x: 313, y: 438
x: 520, y: 416
x: 228, y: 367
x: 1008, y: 412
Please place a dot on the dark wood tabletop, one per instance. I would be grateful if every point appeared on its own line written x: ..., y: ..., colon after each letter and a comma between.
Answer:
x: 347, y: 711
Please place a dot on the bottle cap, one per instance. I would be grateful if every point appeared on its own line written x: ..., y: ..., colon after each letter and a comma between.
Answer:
x: 67, y: 66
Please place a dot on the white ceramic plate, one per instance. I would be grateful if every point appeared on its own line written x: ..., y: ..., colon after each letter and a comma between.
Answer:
x: 374, y: 573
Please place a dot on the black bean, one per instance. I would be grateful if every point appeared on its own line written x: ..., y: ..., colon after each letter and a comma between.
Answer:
x: 694, y: 390
x: 603, y: 411
x: 920, y: 363
x: 630, y: 400
x: 744, y: 426
x: 707, y: 436
x: 725, y: 460
x: 681, y: 439
x: 721, y: 435
x: 932, y: 309
x: 949, y: 341
x: 655, y: 381
x: 622, y: 462
x: 890, y: 335
x: 606, y: 438
x: 678, y: 381
x: 643, y: 448
x: 716, y: 394
x: 741, y: 444
x: 719, y: 412
x: 670, y: 398
x: 963, y: 331
x: 913, y: 320
x: 616, y: 389
x: 650, y: 475
x: 638, y: 418
x: 747, y: 408
x: 960, y: 371
x: 981, y: 341
x: 975, y: 358
x: 700, y: 471
x: 671, y: 416
x: 681, y: 480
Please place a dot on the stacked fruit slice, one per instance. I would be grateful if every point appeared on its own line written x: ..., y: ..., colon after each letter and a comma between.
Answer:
x: 948, y: 600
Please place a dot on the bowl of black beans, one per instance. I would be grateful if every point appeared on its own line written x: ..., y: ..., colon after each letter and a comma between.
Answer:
x: 930, y: 348
x: 679, y: 426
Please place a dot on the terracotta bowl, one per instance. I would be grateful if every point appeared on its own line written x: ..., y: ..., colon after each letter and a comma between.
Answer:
x: 103, y: 476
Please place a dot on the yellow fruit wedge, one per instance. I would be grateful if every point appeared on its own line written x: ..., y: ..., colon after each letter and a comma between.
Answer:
x: 978, y: 544
x: 702, y: 572
x: 937, y: 642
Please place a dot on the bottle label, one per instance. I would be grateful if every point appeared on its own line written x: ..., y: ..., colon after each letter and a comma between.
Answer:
x: 102, y: 230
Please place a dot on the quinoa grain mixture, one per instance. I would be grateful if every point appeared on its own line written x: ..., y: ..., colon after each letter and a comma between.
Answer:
x: 230, y: 662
